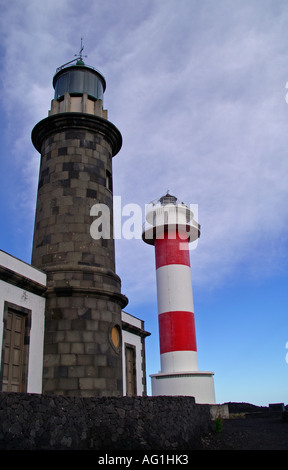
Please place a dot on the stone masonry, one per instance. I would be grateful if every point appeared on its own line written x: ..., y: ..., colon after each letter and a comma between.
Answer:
x: 43, y: 422
x: 84, y: 299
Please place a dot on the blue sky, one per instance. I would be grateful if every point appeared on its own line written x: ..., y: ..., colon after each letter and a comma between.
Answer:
x: 197, y: 89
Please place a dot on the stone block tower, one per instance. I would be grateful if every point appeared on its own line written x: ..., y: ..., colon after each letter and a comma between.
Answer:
x: 82, y: 345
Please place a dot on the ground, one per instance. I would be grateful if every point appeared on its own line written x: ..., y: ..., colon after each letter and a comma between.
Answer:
x: 255, y: 429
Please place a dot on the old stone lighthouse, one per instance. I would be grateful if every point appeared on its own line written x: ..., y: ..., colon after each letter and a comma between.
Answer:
x: 65, y: 312
x: 83, y: 299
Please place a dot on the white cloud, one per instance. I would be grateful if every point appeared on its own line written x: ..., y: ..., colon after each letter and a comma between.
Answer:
x: 198, y: 93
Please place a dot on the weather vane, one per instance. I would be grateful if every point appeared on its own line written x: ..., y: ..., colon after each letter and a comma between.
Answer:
x: 79, y: 56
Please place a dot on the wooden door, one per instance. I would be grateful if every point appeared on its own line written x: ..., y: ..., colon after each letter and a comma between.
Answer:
x: 131, y: 389
x: 13, y: 353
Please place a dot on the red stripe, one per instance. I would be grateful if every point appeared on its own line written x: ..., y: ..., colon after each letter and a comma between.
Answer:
x: 177, y: 332
x: 170, y: 250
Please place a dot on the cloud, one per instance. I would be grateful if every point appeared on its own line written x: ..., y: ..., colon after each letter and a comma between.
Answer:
x: 198, y: 93
x: 214, y: 132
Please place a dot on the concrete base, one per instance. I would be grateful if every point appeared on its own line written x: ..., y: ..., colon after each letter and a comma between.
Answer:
x: 219, y: 411
x: 199, y: 385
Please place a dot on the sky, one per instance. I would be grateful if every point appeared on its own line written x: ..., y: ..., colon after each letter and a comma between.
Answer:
x: 198, y: 91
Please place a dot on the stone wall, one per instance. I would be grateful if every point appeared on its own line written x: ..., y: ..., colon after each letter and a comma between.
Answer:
x: 46, y: 422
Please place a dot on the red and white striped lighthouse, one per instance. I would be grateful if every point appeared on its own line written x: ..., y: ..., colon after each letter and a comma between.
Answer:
x: 170, y: 227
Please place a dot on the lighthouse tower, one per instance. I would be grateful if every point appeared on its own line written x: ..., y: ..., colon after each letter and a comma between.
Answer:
x: 82, y: 342
x: 170, y: 227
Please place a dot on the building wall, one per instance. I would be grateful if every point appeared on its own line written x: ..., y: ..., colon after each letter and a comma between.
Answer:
x: 21, y: 296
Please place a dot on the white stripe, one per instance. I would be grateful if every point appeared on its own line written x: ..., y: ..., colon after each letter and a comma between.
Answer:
x: 174, y: 288
x: 199, y: 385
x: 179, y: 361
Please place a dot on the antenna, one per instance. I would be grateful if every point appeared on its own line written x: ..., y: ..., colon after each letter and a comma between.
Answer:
x: 79, y: 56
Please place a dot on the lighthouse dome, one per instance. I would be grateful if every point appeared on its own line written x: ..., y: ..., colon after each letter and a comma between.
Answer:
x: 78, y: 79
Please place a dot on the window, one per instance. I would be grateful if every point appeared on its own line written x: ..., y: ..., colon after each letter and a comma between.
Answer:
x: 130, y: 363
x: 15, y: 348
x: 115, y: 336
